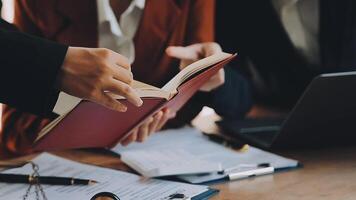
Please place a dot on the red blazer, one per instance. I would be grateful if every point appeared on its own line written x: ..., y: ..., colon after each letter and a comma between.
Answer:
x: 163, y: 23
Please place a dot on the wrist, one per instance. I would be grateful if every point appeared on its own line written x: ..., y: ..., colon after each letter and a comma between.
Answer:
x: 70, y: 61
x: 58, y: 84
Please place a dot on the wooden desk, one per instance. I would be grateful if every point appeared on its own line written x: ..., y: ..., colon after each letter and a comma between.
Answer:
x: 327, y: 174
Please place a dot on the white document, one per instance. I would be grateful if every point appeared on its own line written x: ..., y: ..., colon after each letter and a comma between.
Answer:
x: 125, y: 185
x: 156, y: 163
x: 194, y: 142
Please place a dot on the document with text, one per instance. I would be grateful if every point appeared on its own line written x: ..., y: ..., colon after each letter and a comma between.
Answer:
x: 194, y: 143
x: 125, y: 185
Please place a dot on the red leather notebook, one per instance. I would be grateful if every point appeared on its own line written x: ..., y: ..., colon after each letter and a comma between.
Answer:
x: 92, y: 125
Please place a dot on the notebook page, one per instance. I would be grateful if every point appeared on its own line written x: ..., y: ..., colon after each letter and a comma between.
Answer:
x: 172, y: 85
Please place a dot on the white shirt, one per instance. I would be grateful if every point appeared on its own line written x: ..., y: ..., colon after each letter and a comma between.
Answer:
x: 114, y: 35
x: 300, y: 19
x: 118, y: 35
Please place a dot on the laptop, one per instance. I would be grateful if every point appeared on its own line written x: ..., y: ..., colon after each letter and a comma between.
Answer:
x: 324, y: 116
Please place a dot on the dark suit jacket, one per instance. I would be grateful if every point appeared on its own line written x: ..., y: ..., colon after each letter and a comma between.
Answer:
x: 253, y: 28
x: 164, y: 23
x: 29, y: 68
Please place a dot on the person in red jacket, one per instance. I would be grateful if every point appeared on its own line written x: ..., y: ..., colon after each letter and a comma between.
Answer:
x: 158, y: 37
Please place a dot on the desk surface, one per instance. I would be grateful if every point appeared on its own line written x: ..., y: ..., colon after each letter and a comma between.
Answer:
x: 327, y: 174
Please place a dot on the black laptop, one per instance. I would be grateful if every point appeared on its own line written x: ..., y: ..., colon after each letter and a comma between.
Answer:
x: 324, y: 116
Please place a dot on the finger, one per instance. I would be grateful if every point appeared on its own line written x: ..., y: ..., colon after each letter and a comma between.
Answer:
x: 120, y: 141
x: 154, y: 124
x: 121, y: 60
x: 122, y: 74
x: 163, y: 120
x: 210, y: 48
x: 172, y: 115
x: 185, y: 53
x: 143, y: 130
x: 109, y: 102
x: 120, y: 88
x: 131, y: 138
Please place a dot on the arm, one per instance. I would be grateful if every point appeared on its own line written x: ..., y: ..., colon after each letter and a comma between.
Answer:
x: 36, y: 70
x: 31, y: 66
x: 231, y: 99
x: 19, y: 128
x: 79, y: 68
x: 29, y: 88
x: 200, y: 29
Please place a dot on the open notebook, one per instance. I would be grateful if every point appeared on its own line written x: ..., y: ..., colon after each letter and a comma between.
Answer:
x: 83, y: 124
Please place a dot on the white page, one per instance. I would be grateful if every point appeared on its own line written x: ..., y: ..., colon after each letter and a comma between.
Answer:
x: 156, y: 163
x: 193, y: 141
x: 198, y: 65
x: 65, y: 103
x: 127, y: 186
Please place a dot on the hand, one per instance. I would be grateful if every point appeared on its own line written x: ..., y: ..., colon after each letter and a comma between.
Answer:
x: 90, y: 73
x: 151, y: 125
x: 192, y: 53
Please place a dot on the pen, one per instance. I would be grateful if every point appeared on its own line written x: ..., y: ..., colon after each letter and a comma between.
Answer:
x: 225, y: 141
x: 50, y: 180
x: 177, y: 196
x: 250, y: 173
x: 241, y: 166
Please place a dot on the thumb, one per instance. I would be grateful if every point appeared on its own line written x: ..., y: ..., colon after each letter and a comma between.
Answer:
x: 183, y: 53
x: 211, y: 48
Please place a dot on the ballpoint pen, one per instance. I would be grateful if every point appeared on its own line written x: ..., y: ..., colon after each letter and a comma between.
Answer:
x: 243, y: 166
x: 225, y: 141
x: 50, y: 180
x: 250, y: 173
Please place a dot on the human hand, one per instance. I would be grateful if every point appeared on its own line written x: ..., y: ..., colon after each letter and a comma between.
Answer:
x: 151, y: 125
x: 192, y: 53
x: 90, y: 73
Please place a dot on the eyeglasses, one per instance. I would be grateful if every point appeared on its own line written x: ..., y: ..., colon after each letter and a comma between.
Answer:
x: 105, y: 196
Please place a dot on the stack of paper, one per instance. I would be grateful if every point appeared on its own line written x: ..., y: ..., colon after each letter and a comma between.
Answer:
x: 125, y: 185
x: 193, y: 142
x: 155, y: 163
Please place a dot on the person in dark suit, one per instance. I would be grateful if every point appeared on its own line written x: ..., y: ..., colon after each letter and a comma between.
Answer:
x: 153, y: 27
x: 35, y: 70
x: 283, y: 44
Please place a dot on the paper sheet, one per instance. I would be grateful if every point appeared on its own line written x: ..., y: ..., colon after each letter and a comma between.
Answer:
x: 194, y: 142
x: 127, y: 186
x: 155, y: 163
